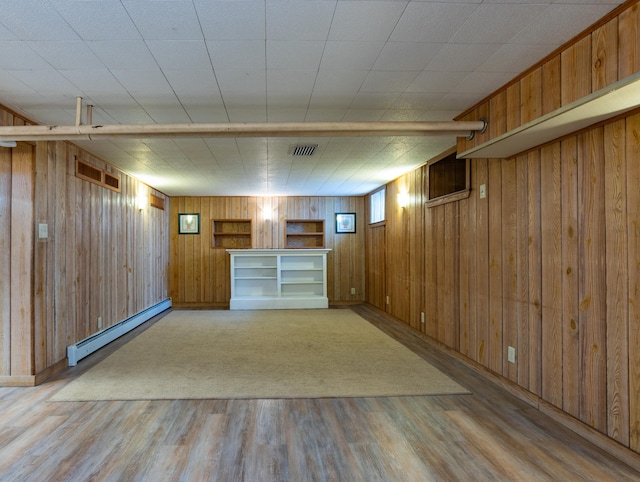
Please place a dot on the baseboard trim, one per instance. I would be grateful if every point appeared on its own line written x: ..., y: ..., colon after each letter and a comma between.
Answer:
x: 18, y: 381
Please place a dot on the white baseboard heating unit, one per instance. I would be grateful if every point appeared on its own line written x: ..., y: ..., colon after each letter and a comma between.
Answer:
x: 87, y: 346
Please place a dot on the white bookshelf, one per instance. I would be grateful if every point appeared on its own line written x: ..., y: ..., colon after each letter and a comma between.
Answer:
x: 278, y: 279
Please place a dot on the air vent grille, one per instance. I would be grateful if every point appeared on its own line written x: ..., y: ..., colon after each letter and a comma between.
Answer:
x: 98, y: 176
x: 304, y: 150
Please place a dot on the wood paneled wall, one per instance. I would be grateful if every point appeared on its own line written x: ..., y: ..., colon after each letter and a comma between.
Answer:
x: 102, y: 258
x: 549, y: 261
x: 200, y: 274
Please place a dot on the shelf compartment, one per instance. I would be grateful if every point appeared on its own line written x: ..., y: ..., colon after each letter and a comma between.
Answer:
x: 301, y: 289
x: 252, y: 288
x: 302, y: 276
x: 293, y: 263
x: 304, y: 233
x: 231, y: 233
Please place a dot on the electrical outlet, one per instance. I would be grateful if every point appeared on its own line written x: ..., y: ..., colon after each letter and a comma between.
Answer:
x: 99, y: 322
x: 511, y: 354
x: 353, y: 291
x: 422, y: 317
x: 43, y: 231
x: 387, y: 300
x: 483, y: 191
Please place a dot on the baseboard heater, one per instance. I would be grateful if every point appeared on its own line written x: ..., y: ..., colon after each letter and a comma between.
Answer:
x: 90, y: 344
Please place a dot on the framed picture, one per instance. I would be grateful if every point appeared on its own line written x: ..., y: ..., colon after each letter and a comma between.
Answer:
x: 345, y: 222
x: 188, y: 223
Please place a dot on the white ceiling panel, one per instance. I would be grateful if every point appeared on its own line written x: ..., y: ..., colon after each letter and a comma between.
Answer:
x: 93, y: 20
x: 365, y: 20
x: 232, y: 19
x: 297, y: 21
x: 433, y: 22
x: 66, y: 54
x: 237, y: 54
x: 15, y: 55
x: 179, y: 54
x: 123, y: 54
x: 203, y: 61
x: 169, y: 20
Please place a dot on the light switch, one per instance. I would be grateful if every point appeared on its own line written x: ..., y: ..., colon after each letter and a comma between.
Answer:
x: 43, y: 231
x: 483, y: 191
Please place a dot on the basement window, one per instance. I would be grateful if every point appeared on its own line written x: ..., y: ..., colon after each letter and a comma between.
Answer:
x: 448, y: 180
x: 376, y: 206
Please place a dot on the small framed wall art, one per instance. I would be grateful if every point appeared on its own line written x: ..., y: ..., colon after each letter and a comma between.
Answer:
x: 188, y: 223
x: 345, y: 222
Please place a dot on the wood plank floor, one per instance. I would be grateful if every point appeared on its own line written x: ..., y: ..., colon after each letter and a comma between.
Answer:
x: 489, y: 435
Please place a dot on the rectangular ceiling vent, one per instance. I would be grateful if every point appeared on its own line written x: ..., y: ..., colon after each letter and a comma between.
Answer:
x: 305, y: 150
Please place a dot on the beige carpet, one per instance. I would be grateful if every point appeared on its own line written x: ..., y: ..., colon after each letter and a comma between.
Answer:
x: 259, y: 354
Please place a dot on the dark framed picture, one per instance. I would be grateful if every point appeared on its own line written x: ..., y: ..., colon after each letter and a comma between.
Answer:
x: 188, y: 223
x: 345, y: 222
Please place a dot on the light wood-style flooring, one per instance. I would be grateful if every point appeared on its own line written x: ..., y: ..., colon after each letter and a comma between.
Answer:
x: 487, y: 436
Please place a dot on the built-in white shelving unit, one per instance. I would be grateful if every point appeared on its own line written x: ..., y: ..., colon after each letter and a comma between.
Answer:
x: 278, y: 279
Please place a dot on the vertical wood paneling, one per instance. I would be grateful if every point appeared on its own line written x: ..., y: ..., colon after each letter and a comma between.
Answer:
x: 592, y: 279
x: 482, y: 263
x: 439, y: 263
x: 510, y: 310
x: 617, y: 282
x: 498, y: 118
x: 470, y: 265
x: 430, y: 272
x: 40, y: 261
x: 552, y: 278
x: 534, y: 326
x: 451, y: 316
x: 570, y: 267
x: 521, y: 274
x: 531, y: 96
x: 5, y: 261
x: 629, y: 41
x: 200, y: 273
x: 464, y: 250
x: 22, y: 217
x: 604, y: 49
x: 495, y: 266
x: 376, y: 275
x: 513, y: 101
x: 576, y: 71
x: 633, y: 233
x: 551, y: 85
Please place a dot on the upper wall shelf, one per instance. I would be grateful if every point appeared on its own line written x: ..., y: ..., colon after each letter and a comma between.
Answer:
x: 604, y: 104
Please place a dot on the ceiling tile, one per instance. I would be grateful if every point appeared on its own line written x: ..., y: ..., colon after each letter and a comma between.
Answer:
x: 292, y: 55
x: 487, y: 24
x: 350, y: 55
x: 461, y: 57
x: 19, y: 56
x: 237, y: 54
x: 179, y: 54
x: 123, y: 54
x: 365, y: 20
x: 171, y: 20
x: 35, y: 20
x: 66, y: 54
x: 299, y: 20
x: 101, y: 20
x: 232, y: 19
x: 406, y: 56
x: 431, y: 22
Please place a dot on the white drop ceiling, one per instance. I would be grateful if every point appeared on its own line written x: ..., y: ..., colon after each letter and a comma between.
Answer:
x: 211, y: 61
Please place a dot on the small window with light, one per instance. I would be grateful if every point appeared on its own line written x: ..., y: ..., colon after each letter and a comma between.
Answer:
x: 376, y: 205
